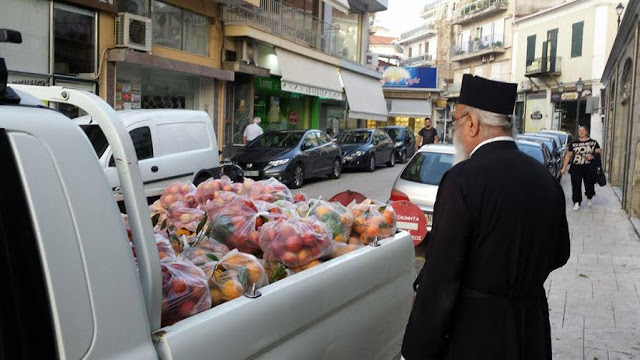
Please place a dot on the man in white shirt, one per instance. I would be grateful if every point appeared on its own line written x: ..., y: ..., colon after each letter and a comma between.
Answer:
x: 252, y: 131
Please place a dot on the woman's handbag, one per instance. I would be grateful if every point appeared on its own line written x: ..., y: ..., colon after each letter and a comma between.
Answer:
x: 601, y: 178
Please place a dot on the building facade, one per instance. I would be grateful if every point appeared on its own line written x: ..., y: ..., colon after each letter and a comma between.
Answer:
x: 622, y: 101
x: 554, y: 49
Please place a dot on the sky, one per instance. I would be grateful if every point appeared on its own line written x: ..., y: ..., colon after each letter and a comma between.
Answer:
x: 402, y: 15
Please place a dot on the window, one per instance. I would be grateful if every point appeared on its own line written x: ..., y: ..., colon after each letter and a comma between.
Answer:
x: 531, y: 49
x: 576, y: 39
x: 426, y: 47
x: 74, y: 40
x: 419, y: 49
x: 428, y: 168
x: 141, y: 138
x: 138, y: 7
x: 180, y: 29
x: 410, y: 51
x: 347, y: 27
x: 324, y: 138
x: 311, y: 140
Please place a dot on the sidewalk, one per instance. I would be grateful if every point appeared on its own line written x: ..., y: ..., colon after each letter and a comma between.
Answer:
x: 594, y: 300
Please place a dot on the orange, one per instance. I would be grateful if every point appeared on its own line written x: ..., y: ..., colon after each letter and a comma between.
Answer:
x: 231, y: 290
x: 372, y: 231
x: 312, y: 264
x: 339, y: 238
x: 321, y: 211
x: 216, y: 297
x: 255, y: 272
x: 238, y: 260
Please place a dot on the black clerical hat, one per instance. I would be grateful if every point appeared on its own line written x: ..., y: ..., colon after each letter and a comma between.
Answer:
x: 493, y: 96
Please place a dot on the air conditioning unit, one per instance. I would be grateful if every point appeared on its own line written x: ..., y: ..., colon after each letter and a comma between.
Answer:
x: 247, y: 52
x: 525, y: 85
x: 133, y: 32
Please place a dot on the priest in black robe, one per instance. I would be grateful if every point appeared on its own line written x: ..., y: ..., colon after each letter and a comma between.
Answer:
x: 499, y: 230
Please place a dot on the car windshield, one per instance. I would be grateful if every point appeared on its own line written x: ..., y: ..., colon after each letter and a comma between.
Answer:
x: 97, y: 138
x: 563, y: 138
x: 427, y: 168
x: 277, y: 140
x: 394, y: 133
x: 532, y: 150
x: 354, y: 137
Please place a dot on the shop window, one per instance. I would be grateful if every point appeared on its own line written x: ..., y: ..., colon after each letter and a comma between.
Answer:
x: 347, y: 34
x: 180, y: 29
x: 74, y: 46
x: 141, y: 138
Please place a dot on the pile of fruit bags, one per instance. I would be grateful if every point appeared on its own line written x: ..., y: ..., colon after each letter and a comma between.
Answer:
x: 221, y: 239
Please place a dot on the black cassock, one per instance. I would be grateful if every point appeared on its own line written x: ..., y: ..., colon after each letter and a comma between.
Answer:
x: 499, y: 229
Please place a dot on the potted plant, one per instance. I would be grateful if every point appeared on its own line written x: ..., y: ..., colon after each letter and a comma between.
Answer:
x: 497, y: 44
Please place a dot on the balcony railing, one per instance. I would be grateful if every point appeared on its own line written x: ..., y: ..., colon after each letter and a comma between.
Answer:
x: 477, y: 47
x: 546, y: 66
x: 424, y: 29
x: 479, y: 8
x: 432, y: 4
x: 417, y: 60
x: 292, y: 24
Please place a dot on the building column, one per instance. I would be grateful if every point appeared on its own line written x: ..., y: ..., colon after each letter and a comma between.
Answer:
x: 548, y: 116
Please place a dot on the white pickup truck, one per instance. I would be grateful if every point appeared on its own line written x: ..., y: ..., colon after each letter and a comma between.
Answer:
x: 71, y: 289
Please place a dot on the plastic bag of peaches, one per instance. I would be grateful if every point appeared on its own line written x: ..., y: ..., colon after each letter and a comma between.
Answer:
x: 372, y: 220
x: 213, y: 189
x: 295, y: 241
x: 233, y: 275
x: 269, y: 190
x: 184, y: 291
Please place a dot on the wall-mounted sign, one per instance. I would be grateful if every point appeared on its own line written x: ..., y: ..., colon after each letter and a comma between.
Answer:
x: 570, y: 96
x: 536, y: 115
x: 310, y: 90
x: 410, y: 77
x: 441, y: 103
x: 104, y: 5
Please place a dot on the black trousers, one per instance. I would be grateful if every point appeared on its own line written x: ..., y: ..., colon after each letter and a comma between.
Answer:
x: 580, y: 174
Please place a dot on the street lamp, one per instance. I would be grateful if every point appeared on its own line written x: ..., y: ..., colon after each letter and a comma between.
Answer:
x: 579, y: 88
x: 619, y: 10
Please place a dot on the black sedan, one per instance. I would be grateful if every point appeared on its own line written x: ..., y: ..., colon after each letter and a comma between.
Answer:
x: 290, y: 157
x: 366, y: 149
x: 404, y: 141
x: 540, y: 152
x: 556, y: 153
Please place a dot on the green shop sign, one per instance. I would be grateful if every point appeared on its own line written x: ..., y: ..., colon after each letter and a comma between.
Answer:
x: 268, y: 85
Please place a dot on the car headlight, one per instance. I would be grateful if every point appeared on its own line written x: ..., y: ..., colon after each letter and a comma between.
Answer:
x: 279, y: 162
x: 358, y: 153
x: 399, y: 144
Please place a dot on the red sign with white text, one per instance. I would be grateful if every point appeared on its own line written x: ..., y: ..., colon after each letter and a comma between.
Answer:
x: 411, y: 219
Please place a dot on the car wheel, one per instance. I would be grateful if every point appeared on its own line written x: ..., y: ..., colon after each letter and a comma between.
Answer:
x: 336, y: 170
x: 392, y: 161
x: 201, y: 178
x: 403, y: 157
x: 298, y: 177
x: 372, y: 163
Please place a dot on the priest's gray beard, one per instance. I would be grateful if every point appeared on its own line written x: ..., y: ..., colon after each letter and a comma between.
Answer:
x: 461, y: 154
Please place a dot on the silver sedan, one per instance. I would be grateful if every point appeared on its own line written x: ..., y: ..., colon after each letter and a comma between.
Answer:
x: 419, y: 180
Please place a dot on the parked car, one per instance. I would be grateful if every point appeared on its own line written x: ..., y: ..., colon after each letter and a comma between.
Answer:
x: 565, y: 138
x: 540, y: 152
x: 419, y: 180
x: 404, y: 142
x: 171, y: 145
x: 366, y: 148
x: 556, y: 152
x: 290, y: 156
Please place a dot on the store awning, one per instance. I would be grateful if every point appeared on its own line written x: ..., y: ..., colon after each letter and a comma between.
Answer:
x: 341, y: 5
x: 304, y: 75
x: 365, y: 97
x: 410, y: 108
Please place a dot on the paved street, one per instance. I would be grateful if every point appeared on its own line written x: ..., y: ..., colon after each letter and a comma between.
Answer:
x: 376, y: 185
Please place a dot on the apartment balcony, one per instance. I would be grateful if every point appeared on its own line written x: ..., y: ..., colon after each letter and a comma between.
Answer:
x: 370, y: 5
x: 487, y: 48
x: 418, y: 33
x: 544, y: 67
x: 293, y: 24
x: 479, y: 9
x: 422, y: 60
x: 431, y: 5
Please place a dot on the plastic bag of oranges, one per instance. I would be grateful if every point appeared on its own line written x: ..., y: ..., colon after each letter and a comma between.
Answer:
x: 337, y: 217
x: 340, y: 249
x: 204, y: 252
x: 213, y: 188
x: 295, y: 241
x: 372, y: 219
x: 269, y: 190
x: 234, y: 274
x: 184, y: 291
x: 165, y: 250
x: 238, y: 224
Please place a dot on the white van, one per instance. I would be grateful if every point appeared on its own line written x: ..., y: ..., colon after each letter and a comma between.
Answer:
x: 171, y: 145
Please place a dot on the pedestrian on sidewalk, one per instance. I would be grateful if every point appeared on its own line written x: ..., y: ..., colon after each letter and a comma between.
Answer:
x: 582, y: 152
x: 252, y: 131
x: 499, y: 229
x: 427, y: 135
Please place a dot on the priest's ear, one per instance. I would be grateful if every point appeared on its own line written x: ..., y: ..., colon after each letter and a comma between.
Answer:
x: 472, y: 127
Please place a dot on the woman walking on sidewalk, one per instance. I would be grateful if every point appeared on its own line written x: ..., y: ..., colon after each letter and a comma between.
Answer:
x: 581, y: 152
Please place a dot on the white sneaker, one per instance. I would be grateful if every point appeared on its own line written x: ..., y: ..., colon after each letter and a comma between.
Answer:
x: 576, y: 207
x: 589, y: 202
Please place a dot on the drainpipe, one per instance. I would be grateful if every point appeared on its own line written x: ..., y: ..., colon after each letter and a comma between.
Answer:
x: 625, y: 195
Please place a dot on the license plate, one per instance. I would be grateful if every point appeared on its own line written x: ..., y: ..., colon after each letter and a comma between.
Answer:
x: 252, y: 173
x: 429, y: 219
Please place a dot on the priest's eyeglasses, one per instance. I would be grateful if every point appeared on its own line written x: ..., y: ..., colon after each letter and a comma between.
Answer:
x: 455, y: 121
